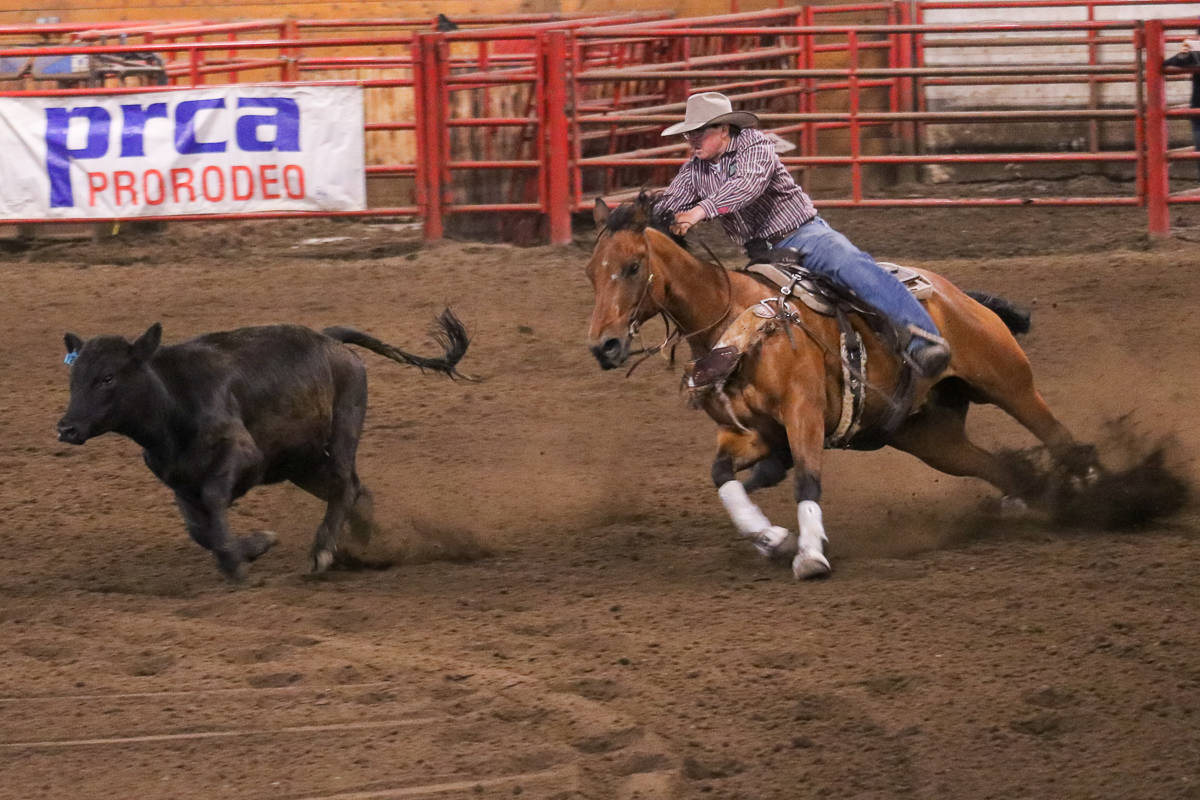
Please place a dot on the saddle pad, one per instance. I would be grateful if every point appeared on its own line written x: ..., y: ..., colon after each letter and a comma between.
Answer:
x: 916, y: 283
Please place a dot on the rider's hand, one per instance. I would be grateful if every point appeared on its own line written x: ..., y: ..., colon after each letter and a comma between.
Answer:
x: 684, y: 220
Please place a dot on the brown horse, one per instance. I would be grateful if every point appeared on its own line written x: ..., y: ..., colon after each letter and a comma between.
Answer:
x: 784, y: 401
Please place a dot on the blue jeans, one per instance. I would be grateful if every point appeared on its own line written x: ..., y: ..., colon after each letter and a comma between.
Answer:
x: 831, y: 255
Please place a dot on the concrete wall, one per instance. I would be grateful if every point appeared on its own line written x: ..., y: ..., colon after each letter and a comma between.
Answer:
x: 1060, y: 96
x: 1061, y: 136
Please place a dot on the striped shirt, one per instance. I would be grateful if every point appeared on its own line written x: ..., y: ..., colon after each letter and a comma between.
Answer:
x: 747, y: 187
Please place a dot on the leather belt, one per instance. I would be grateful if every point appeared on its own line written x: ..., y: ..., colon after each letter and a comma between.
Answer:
x: 779, y: 237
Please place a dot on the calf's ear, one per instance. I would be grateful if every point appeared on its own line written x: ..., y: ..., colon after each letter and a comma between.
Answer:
x: 147, y: 343
x: 74, y: 343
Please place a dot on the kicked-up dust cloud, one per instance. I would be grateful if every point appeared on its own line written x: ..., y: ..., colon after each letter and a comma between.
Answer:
x: 1143, y: 479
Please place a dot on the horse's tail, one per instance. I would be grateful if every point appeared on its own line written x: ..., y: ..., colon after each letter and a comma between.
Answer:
x: 449, y: 332
x: 1016, y: 318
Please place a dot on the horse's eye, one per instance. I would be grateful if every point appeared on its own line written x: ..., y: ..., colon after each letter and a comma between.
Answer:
x: 633, y: 268
x: 106, y: 379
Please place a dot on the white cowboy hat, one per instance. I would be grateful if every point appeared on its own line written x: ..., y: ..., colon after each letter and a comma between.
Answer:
x: 710, y: 108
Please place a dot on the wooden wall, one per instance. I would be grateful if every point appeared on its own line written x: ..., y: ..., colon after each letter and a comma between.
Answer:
x: 13, y: 11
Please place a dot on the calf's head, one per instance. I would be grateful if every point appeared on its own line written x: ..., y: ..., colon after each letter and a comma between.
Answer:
x: 108, y: 382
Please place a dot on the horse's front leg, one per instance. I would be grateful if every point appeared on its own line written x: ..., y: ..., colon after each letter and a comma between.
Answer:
x: 806, y: 436
x: 738, y: 450
x: 770, y: 471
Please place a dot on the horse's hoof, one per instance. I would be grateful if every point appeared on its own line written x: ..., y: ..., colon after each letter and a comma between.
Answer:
x: 322, y: 560
x: 773, y: 541
x: 810, y: 565
x: 1085, y: 480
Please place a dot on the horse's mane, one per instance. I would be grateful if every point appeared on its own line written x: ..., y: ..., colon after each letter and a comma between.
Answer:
x: 641, y: 213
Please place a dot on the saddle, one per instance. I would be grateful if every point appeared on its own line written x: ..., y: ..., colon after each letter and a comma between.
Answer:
x: 707, y: 376
x: 783, y: 268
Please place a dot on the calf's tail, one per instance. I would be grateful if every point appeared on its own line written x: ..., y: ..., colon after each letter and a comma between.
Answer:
x: 450, y: 333
x: 1016, y: 318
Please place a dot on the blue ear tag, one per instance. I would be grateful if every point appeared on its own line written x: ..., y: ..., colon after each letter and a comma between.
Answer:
x: 70, y: 359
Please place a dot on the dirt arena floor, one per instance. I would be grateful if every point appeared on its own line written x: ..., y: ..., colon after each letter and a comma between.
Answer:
x: 569, y: 613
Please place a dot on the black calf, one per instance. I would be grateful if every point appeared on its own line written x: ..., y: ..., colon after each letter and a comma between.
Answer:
x: 224, y: 412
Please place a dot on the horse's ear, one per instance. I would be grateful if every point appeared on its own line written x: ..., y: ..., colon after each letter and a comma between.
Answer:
x: 655, y: 236
x: 600, y: 213
x: 657, y: 241
x: 666, y: 245
x: 660, y: 238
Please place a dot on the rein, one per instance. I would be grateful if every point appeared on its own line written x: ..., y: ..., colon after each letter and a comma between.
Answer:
x: 711, y: 254
x: 673, y: 337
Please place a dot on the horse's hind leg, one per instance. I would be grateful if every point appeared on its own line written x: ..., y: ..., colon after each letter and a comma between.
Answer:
x: 1008, y: 383
x: 937, y: 435
x: 1028, y: 408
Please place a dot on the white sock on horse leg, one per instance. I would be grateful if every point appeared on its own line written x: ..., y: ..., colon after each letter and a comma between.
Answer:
x: 746, y: 516
x: 811, y: 526
x: 810, y: 561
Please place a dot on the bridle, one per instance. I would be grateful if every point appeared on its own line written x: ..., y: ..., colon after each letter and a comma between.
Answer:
x: 674, y: 329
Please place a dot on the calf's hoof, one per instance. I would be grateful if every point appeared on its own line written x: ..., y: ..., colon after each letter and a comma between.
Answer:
x: 257, y: 543
x: 1013, y: 507
x: 322, y: 560
x: 810, y: 565
x: 234, y: 572
x: 363, y: 532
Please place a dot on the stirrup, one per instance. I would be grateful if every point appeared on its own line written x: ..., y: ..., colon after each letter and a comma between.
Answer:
x: 921, y: 333
x: 929, y: 360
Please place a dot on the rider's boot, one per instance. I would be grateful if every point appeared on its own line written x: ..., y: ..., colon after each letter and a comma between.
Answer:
x: 927, y: 352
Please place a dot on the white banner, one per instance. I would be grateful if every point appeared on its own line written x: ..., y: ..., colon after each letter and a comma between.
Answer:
x: 200, y: 151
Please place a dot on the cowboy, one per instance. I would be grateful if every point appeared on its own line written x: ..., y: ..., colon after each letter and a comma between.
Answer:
x: 1188, y: 58
x: 736, y: 175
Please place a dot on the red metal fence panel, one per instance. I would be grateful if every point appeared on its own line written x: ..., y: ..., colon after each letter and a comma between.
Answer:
x: 538, y: 114
x: 912, y: 78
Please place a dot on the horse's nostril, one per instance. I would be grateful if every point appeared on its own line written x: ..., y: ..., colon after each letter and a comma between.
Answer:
x: 608, y: 353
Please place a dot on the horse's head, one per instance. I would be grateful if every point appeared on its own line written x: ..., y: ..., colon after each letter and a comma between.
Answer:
x: 626, y: 274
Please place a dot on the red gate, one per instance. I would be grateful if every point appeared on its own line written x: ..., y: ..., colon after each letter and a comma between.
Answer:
x: 537, y: 115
